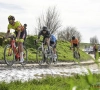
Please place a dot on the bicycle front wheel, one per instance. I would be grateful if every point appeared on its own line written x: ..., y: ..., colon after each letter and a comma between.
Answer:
x: 49, y: 56
x: 9, y: 55
x: 76, y: 55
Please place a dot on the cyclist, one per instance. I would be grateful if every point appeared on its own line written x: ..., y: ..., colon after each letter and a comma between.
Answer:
x: 19, y: 32
x: 95, y: 49
x: 53, y: 42
x: 75, y: 44
x: 46, y: 36
x: 25, y: 30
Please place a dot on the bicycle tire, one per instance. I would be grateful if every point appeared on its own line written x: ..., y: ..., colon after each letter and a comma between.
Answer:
x: 9, y: 58
x: 76, y: 55
x: 39, y: 56
x: 49, y: 57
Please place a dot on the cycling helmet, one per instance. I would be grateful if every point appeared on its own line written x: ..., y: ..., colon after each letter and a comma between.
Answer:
x: 44, y: 28
x: 73, y: 37
x: 25, y: 24
x: 10, y: 17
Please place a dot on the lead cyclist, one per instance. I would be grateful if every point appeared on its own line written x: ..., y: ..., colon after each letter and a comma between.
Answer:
x: 19, y: 32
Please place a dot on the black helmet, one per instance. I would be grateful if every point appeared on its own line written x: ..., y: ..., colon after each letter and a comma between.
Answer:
x: 73, y: 37
x: 44, y: 28
x: 25, y: 24
x: 10, y: 17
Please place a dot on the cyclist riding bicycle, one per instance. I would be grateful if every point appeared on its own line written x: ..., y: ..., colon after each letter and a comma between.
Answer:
x: 95, y: 49
x: 46, y: 36
x: 25, y: 28
x: 53, y: 42
x: 75, y: 44
x: 19, y: 33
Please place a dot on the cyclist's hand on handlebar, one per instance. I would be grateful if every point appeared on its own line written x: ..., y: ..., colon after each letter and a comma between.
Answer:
x: 70, y: 47
x: 35, y: 42
x: 17, y: 39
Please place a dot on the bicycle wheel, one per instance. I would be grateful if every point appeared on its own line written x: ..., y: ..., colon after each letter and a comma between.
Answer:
x: 76, y: 55
x: 39, y: 56
x: 25, y: 55
x: 49, y: 56
x: 9, y: 55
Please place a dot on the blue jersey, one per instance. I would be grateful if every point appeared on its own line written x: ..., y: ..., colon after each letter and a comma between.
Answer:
x: 52, y: 38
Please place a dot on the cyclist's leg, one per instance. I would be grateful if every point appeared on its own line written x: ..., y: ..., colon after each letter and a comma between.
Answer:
x: 55, y: 54
x: 78, y: 50
x: 22, y: 36
x: 47, y: 41
x: 53, y: 45
x: 96, y: 55
x: 73, y: 50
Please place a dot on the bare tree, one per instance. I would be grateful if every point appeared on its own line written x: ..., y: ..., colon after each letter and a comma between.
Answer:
x: 67, y: 34
x: 50, y: 19
x: 94, y: 40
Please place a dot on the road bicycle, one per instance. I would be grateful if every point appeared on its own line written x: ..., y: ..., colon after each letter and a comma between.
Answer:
x: 44, y: 55
x: 76, y: 54
x: 11, y: 52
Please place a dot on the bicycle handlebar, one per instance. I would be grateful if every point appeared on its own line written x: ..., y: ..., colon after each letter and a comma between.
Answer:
x: 35, y: 42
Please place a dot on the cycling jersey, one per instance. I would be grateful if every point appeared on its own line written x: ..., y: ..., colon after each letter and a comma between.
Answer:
x: 52, y: 38
x: 17, y: 26
x: 53, y: 41
x: 75, y: 41
x: 45, y: 35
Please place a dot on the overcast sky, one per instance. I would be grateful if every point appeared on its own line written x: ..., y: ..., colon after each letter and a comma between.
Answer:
x: 82, y: 14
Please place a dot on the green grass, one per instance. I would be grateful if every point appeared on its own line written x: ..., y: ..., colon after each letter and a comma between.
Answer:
x: 86, y: 82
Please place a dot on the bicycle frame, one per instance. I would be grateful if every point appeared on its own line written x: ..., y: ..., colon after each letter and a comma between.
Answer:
x: 75, y: 52
x: 13, y: 46
x: 44, y: 55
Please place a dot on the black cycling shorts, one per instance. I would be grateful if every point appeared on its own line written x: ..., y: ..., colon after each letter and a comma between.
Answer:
x: 75, y: 45
x: 22, y: 34
x: 51, y: 43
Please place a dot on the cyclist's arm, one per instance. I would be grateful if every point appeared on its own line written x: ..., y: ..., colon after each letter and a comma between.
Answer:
x: 8, y: 32
x: 19, y: 31
x: 39, y: 35
x: 71, y: 43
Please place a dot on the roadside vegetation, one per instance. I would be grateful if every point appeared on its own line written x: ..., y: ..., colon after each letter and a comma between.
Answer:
x: 86, y: 82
